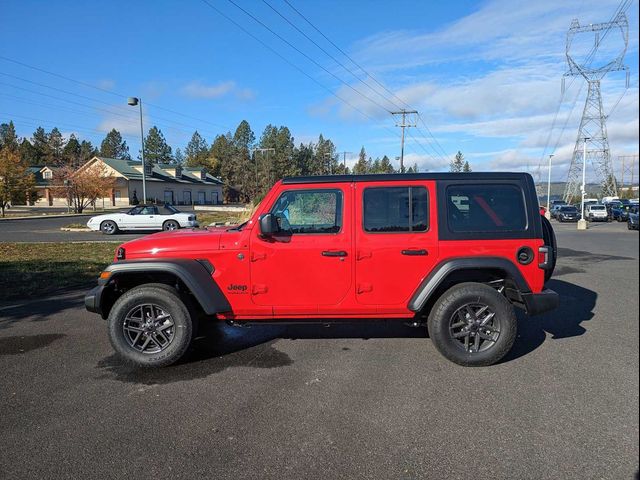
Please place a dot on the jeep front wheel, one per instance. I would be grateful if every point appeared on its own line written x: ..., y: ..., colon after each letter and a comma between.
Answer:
x: 473, y: 325
x: 150, y: 326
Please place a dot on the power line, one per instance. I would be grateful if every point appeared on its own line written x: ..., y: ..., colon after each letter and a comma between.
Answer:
x: 110, y: 92
x: 345, y: 54
x: 348, y: 85
x: 122, y: 113
x: 347, y: 69
x: 274, y: 51
x: 406, y: 105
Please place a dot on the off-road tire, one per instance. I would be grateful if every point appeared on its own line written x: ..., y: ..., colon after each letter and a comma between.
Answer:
x: 168, y: 299
x: 450, y: 302
x: 109, y: 227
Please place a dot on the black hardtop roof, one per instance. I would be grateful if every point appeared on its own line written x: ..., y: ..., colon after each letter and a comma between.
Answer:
x: 394, y: 177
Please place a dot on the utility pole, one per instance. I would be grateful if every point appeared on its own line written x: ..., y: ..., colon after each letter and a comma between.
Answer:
x: 255, y: 161
x: 548, y: 212
x: 582, y: 223
x: 404, y: 125
x: 344, y: 159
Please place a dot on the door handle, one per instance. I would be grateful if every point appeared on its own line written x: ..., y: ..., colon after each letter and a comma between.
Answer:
x: 334, y: 253
x: 415, y: 252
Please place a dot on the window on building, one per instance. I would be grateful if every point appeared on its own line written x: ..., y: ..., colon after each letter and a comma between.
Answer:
x: 168, y: 197
x: 485, y: 208
x: 47, y: 175
x: 395, y: 209
x: 309, y: 211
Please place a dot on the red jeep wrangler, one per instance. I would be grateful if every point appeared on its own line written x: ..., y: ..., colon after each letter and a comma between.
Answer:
x: 460, y: 250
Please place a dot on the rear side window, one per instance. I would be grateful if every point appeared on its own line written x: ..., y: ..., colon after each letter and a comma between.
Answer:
x: 485, y: 208
x: 309, y: 211
x: 395, y: 209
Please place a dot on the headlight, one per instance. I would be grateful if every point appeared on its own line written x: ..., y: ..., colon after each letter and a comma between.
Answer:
x: 192, y: 218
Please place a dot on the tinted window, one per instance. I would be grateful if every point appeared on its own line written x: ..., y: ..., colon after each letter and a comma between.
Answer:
x: 309, y: 211
x: 569, y: 209
x: 597, y: 207
x: 395, y: 209
x: 485, y: 208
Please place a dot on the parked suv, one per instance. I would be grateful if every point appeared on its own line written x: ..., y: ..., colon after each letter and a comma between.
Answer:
x: 596, y: 213
x: 458, y: 251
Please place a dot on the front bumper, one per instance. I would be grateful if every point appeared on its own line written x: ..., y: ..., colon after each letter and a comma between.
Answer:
x: 93, y: 299
x: 537, y: 303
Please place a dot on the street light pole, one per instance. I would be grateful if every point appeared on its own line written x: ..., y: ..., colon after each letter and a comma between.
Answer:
x: 133, y: 101
x: 582, y: 223
x: 548, y: 212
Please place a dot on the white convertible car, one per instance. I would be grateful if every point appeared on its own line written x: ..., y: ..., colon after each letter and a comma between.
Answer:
x: 143, y: 217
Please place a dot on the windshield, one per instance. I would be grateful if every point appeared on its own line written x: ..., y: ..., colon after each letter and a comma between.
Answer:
x: 569, y: 209
x: 171, y: 208
x: 597, y: 207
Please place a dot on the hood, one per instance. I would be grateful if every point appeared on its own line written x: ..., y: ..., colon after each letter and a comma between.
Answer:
x: 177, y: 243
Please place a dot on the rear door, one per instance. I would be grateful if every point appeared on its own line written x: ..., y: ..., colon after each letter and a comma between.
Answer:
x: 396, y: 241
x: 308, y: 265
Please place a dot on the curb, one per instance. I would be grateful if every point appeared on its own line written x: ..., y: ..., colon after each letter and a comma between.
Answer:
x: 67, y: 229
x: 48, y: 216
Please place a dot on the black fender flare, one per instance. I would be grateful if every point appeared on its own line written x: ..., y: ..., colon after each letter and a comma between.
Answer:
x: 195, y: 274
x: 439, y: 274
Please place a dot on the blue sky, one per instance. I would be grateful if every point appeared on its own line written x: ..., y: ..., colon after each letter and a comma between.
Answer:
x: 485, y: 76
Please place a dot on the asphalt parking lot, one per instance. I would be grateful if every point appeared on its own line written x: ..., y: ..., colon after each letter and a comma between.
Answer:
x: 367, y: 401
x: 48, y: 230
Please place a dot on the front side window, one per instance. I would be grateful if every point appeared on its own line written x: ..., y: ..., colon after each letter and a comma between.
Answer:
x: 485, y: 208
x: 395, y: 209
x: 309, y: 211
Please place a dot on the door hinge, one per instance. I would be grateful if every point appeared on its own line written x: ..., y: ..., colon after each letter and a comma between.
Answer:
x: 258, y: 288
x: 362, y: 254
x: 364, y: 288
x: 258, y: 256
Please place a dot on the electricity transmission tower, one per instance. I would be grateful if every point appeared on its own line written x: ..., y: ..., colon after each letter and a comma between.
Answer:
x: 593, y: 123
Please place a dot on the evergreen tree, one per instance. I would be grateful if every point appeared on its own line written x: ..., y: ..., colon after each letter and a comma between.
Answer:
x: 279, y: 162
x: 40, y: 143
x: 197, y: 151
x: 303, y: 158
x: 457, y: 164
x: 56, y: 144
x: 8, y: 137
x: 28, y: 153
x: 386, y: 166
x: 156, y: 148
x: 87, y: 151
x: 178, y: 157
x: 71, y: 152
x: 466, y: 168
x: 113, y: 146
x: 362, y: 166
x: 220, y: 154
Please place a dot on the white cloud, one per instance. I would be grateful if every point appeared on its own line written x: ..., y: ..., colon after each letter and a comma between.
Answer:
x: 197, y: 89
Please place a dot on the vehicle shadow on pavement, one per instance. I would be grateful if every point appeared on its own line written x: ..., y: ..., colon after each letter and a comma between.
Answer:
x: 39, y: 310
x: 576, y: 306
x: 219, y: 346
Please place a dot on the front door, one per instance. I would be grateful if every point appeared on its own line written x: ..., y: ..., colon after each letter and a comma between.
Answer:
x: 396, y: 246
x: 308, y: 264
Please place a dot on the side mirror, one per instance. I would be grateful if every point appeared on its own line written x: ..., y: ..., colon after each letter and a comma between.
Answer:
x: 268, y: 225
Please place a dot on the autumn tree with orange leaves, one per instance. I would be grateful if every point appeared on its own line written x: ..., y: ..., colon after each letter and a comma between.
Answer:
x: 84, y: 186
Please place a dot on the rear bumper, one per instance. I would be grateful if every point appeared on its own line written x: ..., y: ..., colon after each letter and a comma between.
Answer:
x: 537, y: 303
x: 92, y: 300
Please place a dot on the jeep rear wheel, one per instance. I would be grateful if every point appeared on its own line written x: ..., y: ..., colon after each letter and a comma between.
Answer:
x: 150, y: 326
x: 473, y: 325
